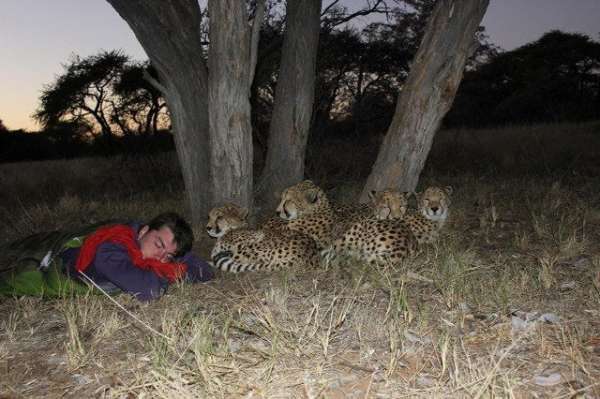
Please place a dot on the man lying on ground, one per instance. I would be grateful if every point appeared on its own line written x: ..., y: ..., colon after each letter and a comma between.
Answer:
x: 139, y: 259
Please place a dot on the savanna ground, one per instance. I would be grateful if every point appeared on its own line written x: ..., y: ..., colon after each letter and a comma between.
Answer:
x: 507, y: 304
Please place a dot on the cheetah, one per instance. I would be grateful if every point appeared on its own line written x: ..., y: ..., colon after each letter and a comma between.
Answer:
x: 429, y: 218
x: 379, y: 238
x: 305, y: 207
x: 240, y: 248
x: 433, y: 209
x: 347, y: 215
x: 388, y: 204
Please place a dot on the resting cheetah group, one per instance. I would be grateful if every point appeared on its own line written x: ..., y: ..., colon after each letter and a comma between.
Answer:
x: 309, y: 226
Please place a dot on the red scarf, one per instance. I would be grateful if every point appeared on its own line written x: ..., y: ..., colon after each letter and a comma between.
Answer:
x: 124, y: 235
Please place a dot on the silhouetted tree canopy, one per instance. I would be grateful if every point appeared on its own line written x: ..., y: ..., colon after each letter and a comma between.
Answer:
x: 361, y: 72
x: 556, y: 78
x: 138, y: 104
x: 105, y: 93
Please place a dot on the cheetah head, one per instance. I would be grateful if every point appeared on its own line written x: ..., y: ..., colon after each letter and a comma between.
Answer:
x: 389, y: 204
x: 301, y: 199
x: 226, y: 218
x: 434, y: 203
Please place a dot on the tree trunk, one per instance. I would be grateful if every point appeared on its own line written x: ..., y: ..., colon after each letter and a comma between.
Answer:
x: 169, y: 33
x: 294, y: 97
x: 434, y: 77
x: 229, y: 104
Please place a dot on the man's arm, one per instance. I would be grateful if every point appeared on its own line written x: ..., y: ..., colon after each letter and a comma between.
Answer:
x: 197, y: 269
x: 112, y: 262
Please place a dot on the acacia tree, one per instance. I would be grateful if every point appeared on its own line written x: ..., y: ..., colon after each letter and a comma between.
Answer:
x: 290, y: 123
x: 429, y: 91
x: 138, y: 106
x: 82, y: 93
x: 359, y: 76
x: 208, y: 93
x: 300, y: 35
x: 210, y: 116
x: 103, y: 93
x: 360, y: 73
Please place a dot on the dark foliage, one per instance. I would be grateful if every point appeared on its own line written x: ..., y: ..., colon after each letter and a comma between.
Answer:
x: 63, y: 142
x: 556, y: 78
x: 360, y: 73
x: 105, y: 93
x: 81, y: 94
x: 138, y: 104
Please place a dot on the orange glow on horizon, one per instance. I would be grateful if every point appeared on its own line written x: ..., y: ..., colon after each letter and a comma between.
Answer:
x: 18, y: 101
x: 15, y: 118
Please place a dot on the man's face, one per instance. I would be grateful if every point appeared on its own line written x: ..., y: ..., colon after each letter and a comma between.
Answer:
x: 157, y: 244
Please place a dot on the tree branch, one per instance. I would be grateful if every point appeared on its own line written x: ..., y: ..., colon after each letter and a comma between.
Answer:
x: 374, y: 8
x: 155, y: 83
x: 329, y: 7
x: 256, y: 23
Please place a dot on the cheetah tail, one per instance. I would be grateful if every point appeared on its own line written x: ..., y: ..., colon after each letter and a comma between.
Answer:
x: 224, y: 261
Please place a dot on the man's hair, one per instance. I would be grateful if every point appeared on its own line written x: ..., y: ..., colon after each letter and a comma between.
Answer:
x: 182, y: 232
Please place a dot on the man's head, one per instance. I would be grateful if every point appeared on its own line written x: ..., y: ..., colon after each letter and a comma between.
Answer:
x: 165, y: 237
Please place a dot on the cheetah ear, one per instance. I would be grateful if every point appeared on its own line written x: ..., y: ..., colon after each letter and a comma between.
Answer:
x: 312, y: 195
x: 243, y: 212
x: 449, y: 190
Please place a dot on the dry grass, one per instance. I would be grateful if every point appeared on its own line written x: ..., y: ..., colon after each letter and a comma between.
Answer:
x: 541, y: 149
x: 457, y: 321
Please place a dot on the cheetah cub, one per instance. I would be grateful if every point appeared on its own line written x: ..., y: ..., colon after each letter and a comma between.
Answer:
x: 239, y: 248
x: 379, y: 238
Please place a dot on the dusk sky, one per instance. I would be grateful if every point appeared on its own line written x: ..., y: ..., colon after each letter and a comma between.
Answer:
x: 37, y: 36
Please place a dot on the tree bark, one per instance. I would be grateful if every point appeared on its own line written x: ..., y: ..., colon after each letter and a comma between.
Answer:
x: 229, y: 104
x: 294, y: 97
x: 429, y: 91
x: 169, y: 32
